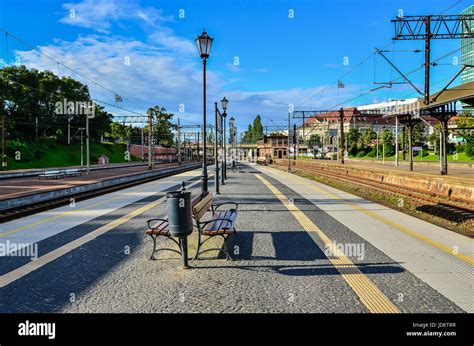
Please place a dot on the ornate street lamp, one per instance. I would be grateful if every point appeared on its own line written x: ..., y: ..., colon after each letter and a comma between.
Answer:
x: 204, y: 43
x: 224, y: 103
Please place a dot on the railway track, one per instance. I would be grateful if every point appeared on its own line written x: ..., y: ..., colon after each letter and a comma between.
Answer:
x: 438, y: 206
x: 19, y: 212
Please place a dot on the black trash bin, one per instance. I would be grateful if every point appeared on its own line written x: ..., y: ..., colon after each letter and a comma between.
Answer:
x: 180, y: 218
x: 179, y: 213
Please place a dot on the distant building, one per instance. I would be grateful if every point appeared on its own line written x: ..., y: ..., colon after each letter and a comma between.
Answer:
x: 467, y: 51
x: 274, y: 146
x: 161, y: 154
x: 326, y: 125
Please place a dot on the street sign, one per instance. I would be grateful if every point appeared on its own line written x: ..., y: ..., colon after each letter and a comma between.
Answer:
x: 417, y: 148
x: 219, y: 123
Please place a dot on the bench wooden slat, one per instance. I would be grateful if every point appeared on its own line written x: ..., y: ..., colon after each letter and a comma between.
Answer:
x: 162, y: 224
x: 161, y: 228
x: 202, y: 207
x: 222, y: 225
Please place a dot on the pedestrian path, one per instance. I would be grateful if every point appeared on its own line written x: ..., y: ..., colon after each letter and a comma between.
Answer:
x: 439, y: 257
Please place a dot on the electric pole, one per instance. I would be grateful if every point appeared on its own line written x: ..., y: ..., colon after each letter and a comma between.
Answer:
x: 179, y: 142
x: 341, y: 138
x: 150, y: 126
x: 4, y: 143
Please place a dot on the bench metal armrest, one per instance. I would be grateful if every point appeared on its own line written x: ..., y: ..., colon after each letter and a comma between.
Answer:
x: 201, y: 223
x: 148, y: 222
x: 216, y: 206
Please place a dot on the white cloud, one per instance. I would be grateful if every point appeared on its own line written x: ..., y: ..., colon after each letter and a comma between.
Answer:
x: 100, y: 14
x: 156, y: 76
x: 165, y: 38
x: 163, y: 69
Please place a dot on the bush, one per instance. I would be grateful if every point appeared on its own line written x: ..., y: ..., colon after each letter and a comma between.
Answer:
x: 353, y: 151
x: 372, y: 153
x: 389, y: 150
x: 424, y: 151
x: 461, y: 148
x: 469, y: 149
x: 451, y: 148
x: 27, y: 151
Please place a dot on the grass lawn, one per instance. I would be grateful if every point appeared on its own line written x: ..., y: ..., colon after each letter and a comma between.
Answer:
x: 61, y: 155
x: 461, y: 157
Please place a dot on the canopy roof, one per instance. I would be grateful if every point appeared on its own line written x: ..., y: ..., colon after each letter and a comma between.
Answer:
x: 463, y: 92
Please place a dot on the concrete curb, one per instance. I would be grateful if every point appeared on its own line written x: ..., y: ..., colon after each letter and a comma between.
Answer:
x: 460, y: 189
x: 36, y: 172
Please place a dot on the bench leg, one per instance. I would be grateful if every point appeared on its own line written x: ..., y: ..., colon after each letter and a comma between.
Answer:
x: 154, y: 236
x: 152, y: 257
x: 196, y: 257
x: 224, y: 250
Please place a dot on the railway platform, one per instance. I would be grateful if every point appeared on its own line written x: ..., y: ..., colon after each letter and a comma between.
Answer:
x: 301, y: 246
x: 19, y: 187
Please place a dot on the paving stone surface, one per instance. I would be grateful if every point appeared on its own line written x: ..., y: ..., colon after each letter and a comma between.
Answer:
x: 278, y: 266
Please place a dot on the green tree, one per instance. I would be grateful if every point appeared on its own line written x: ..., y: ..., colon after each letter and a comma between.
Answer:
x: 352, y: 141
x: 419, y: 137
x: 366, y: 139
x: 257, y: 128
x: 119, y: 132
x: 33, y: 94
x: 314, y: 140
x: 466, y: 124
x: 386, y: 138
x: 161, y: 125
x: 247, y: 136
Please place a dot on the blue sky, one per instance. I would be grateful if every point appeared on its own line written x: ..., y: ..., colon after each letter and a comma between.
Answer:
x: 281, y: 60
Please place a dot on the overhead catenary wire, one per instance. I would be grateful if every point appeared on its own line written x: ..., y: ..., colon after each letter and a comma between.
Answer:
x: 343, y: 75
x: 359, y: 64
x: 59, y: 63
x: 93, y: 99
x: 392, y: 81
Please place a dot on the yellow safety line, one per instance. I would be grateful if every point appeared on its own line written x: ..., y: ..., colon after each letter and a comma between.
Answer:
x: 66, y: 213
x: 466, y: 258
x: 368, y: 293
x: 14, y: 275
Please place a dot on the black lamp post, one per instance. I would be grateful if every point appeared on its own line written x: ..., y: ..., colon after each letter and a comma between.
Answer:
x: 204, y: 43
x: 224, y: 103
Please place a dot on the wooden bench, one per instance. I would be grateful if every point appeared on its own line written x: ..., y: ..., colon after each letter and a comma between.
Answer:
x: 160, y: 227
x: 222, y: 223
x: 57, y: 174
x: 72, y: 173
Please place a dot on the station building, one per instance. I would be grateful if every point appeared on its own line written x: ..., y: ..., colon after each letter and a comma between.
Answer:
x: 273, y: 146
x: 160, y: 153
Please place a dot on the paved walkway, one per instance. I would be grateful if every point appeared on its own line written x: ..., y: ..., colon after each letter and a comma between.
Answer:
x: 298, y: 249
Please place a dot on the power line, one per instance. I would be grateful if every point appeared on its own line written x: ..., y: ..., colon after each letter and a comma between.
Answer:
x: 360, y: 64
x: 395, y: 80
x: 344, y: 75
x: 93, y: 99
x: 9, y: 34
